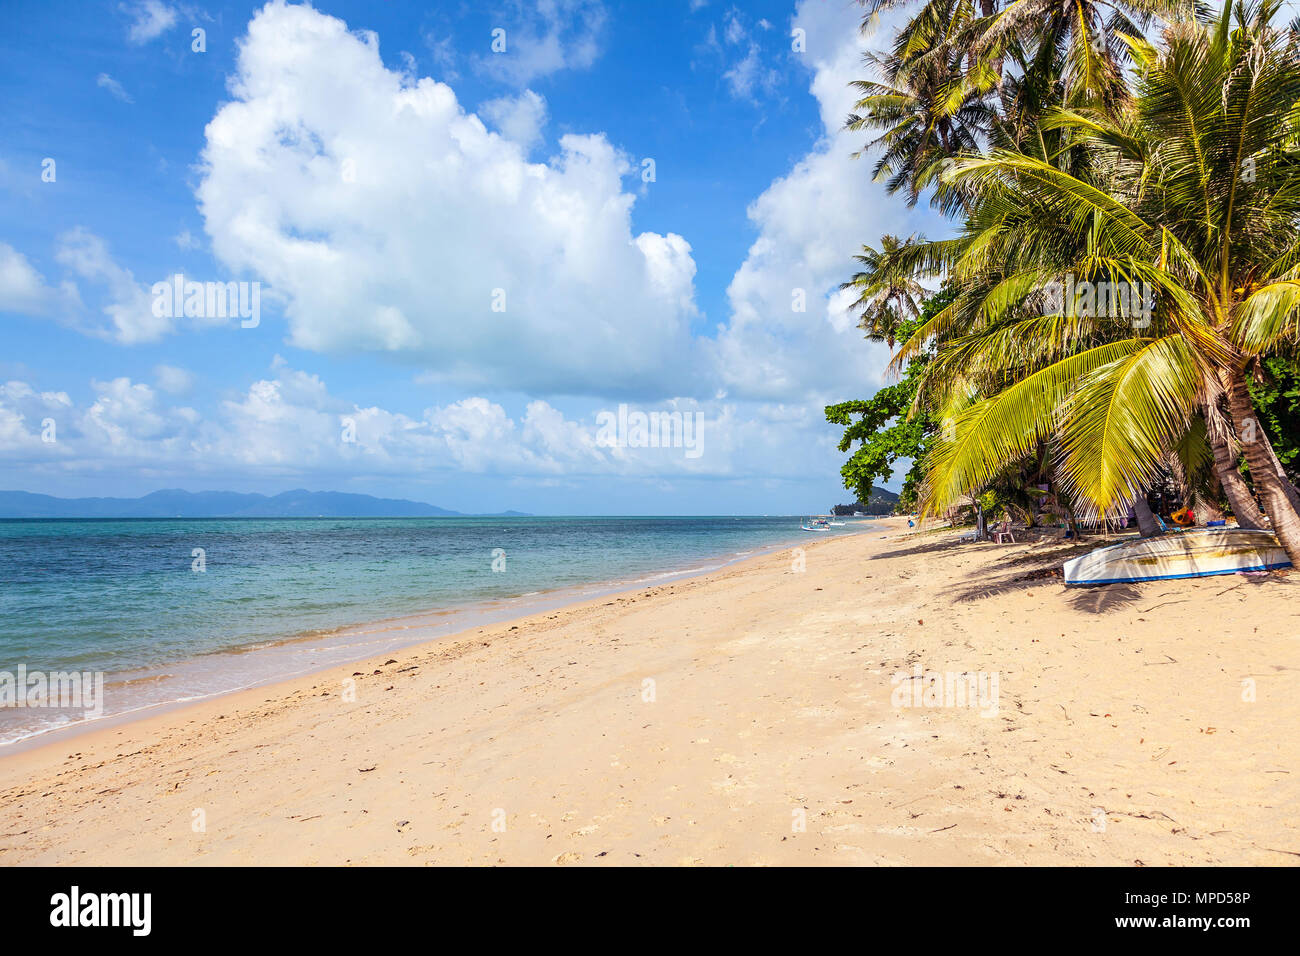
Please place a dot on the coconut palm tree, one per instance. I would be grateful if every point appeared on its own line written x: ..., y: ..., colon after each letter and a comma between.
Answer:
x: 925, y: 113
x: 1089, y: 36
x: 961, y: 76
x: 1192, y: 192
x: 887, y: 297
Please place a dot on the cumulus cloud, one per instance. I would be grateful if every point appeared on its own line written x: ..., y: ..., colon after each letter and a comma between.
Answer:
x: 289, y: 424
x: 385, y: 217
x: 389, y: 219
x: 789, y: 333
x: 23, y: 414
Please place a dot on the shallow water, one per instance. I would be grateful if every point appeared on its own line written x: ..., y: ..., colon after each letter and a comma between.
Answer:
x: 180, y: 609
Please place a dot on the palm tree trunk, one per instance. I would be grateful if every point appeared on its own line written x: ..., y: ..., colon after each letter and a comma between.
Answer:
x: 1072, y: 522
x: 1285, y: 519
x: 1146, y: 520
x: 1179, y: 475
x: 987, y: 9
x: 1287, y: 487
x: 1235, y: 488
x: 1208, y: 508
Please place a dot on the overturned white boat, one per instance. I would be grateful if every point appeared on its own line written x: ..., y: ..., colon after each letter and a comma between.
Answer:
x: 1185, y: 554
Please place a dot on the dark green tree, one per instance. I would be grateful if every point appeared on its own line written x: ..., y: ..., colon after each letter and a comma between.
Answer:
x: 885, y: 425
x: 1277, y: 398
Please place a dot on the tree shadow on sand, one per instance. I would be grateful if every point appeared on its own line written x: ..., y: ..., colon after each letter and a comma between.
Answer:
x: 933, y: 546
x: 1107, y: 597
x: 1042, y: 567
x: 1103, y: 598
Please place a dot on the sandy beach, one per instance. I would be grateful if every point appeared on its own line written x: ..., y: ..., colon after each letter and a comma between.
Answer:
x: 743, y: 717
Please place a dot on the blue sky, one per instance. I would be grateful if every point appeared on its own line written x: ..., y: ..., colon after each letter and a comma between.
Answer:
x: 463, y: 255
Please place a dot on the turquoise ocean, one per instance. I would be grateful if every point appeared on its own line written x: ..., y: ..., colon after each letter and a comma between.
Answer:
x: 178, y: 610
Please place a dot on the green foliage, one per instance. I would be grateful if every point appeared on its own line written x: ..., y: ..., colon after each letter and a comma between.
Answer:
x: 885, y: 426
x: 1278, y: 400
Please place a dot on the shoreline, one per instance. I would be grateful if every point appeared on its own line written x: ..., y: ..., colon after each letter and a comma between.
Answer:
x: 336, y: 643
x: 769, y: 698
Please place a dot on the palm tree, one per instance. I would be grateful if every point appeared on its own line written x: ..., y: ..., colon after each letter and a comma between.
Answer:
x: 1089, y: 36
x: 925, y: 113
x: 958, y: 78
x: 886, y: 297
x: 1192, y: 191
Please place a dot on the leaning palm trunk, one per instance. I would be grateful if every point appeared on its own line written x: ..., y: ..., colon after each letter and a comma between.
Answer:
x: 1291, y: 492
x: 1206, y: 505
x: 1146, y: 520
x: 1235, y: 489
x: 1277, y: 505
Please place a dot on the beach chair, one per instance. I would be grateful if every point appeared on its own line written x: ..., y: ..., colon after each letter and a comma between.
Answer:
x: 1003, y: 531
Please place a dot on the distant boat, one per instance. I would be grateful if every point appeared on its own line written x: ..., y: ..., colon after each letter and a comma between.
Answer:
x: 816, y: 523
x: 1188, y: 554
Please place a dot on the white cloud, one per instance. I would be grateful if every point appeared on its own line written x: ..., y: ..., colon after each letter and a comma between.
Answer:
x: 289, y: 424
x: 810, y: 222
x: 443, y: 51
x: 748, y: 75
x: 386, y: 217
x: 22, y: 412
x: 115, y: 88
x: 518, y: 118
x: 125, y: 417
x: 733, y: 30
x: 24, y: 290
x: 543, y: 38
x: 383, y: 216
x: 127, y: 305
x: 186, y: 240
x: 150, y: 19
x: 129, y: 309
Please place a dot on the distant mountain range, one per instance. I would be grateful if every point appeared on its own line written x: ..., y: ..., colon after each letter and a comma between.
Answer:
x: 174, y: 503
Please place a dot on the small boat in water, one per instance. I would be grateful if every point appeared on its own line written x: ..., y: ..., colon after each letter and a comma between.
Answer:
x: 816, y: 523
x: 1186, y: 554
